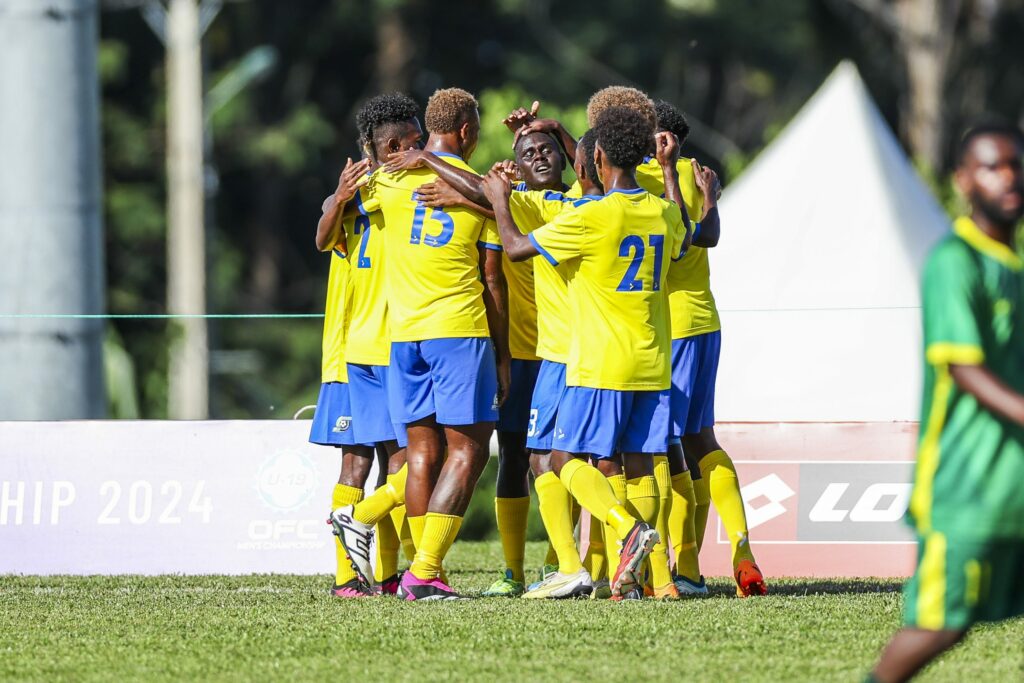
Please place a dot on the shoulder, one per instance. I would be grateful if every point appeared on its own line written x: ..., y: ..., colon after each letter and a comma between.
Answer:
x: 952, y: 254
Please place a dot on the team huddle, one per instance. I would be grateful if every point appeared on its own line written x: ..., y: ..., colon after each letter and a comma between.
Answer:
x: 577, y: 321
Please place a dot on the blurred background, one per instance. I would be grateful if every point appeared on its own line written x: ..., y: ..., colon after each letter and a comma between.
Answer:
x: 280, y: 83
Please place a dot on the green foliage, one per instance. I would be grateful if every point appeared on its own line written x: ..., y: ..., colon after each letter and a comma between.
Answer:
x: 281, y: 627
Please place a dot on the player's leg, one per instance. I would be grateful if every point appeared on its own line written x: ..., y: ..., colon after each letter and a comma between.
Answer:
x: 512, y: 495
x: 687, y: 576
x: 612, y: 470
x: 464, y: 392
x: 593, y: 421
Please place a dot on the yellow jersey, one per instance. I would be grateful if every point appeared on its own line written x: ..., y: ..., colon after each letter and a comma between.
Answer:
x: 531, y: 209
x: 522, y: 308
x: 690, y: 299
x: 433, y: 283
x: 332, y: 364
x: 617, y: 249
x: 368, y: 341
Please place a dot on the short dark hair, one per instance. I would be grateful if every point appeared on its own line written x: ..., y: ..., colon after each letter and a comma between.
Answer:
x: 672, y: 120
x: 383, y: 111
x: 587, y: 143
x: 988, y: 126
x: 625, y: 135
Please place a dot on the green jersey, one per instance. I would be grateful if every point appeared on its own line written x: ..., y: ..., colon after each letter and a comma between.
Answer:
x: 969, y: 480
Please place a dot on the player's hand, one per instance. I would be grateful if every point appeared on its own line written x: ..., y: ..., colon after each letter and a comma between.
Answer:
x: 439, y: 194
x: 352, y: 177
x: 508, y: 168
x: 520, y: 117
x: 504, y: 366
x: 404, y: 160
x: 707, y: 180
x: 497, y: 188
x: 538, y: 126
x: 667, y: 148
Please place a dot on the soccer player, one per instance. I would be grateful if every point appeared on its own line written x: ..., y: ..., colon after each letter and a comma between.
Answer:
x: 535, y: 202
x: 618, y: 249
x: 387, y: 123
x: 967, y: 504
x: 332, y: 421
x: 449, y: 368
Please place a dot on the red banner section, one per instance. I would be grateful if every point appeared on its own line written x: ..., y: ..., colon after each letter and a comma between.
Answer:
x: 822, y: 500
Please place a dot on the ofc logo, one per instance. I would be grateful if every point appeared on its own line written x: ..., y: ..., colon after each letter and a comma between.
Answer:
x: 286, y: 481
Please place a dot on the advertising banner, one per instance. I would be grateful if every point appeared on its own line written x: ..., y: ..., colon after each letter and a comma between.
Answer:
x: 242, y: 497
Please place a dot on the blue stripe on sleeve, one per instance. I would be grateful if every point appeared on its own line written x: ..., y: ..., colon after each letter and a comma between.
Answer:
x: 543, y: 252
x: 488, y: 245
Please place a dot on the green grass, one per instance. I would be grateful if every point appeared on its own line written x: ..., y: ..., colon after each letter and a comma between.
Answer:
x: 288, y: 628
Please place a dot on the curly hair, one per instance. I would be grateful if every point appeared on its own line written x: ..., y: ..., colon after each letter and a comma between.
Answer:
x: 382, y: 111
x: 672, y: 120
x: 988, y: 125
x: 448, y: 109
x: 620, y: 96
x: 625, y: 135
x: 587, y: 142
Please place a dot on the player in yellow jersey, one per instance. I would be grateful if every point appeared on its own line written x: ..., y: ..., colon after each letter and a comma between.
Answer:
x: 535, y: 201
x: 696, y: 344
x: 617, y: 250
x: 386, y: 123
x: 449, y: 368
x: 332, y: 421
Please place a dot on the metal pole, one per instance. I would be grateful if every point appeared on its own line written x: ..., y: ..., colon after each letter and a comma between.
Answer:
x: 51, y: 232
x: 186, y: 252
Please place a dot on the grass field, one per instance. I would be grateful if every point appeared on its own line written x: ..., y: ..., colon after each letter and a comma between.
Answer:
x: 288, y: 628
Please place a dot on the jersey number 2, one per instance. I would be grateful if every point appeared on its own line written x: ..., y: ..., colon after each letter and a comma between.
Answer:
x: 634, y: 245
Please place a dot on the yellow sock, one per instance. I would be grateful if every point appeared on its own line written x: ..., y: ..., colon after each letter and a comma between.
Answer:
x: 588, y: 486
x: 597, y: 557
x: 663, y: 478
x: 642, y: 503
x: 680, y: 522
x: 611, y: 539
x: 718, y: 469
x: 382, y: 501
x: 574, y: 510
x: 702, y: 496
x: 439, y: 532
x: 416, y: 529
x: 553, y: 499
x: 387, y: 550
x: 551, y: 558
x: 511, y: 515
x: 404, y: 535
x: 341, y: 496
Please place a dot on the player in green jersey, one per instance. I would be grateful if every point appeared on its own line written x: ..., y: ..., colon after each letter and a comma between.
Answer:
x: 967, y: 505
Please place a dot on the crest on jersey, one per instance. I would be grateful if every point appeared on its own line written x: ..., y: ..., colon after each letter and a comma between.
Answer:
x: 343, y: 423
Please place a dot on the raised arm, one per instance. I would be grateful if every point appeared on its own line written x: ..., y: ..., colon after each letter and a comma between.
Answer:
x: 667, y: 153
x: 496, y: 304
x: 441, y: 195
x: 517, y: 245
x: 328, y: 228
x: 709, y: 230
x: 466, y: 183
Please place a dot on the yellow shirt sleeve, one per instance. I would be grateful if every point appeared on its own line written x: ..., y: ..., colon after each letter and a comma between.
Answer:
x: 561, y: 240
x: 489, y: 236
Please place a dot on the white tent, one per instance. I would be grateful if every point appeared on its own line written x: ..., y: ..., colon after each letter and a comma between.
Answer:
x: 817, y: 271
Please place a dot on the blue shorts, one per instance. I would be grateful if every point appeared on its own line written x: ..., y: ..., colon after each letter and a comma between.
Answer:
x: 603, y: 422
x: 454, y: 379
x: 371, y: 419
x: 332, y: 421
x: 694, y: 369
x: 544, y: 405
x: 514, y: 416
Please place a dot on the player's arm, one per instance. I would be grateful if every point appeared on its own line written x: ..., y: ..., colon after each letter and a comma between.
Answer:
x: 521, y: 117
x: 328, y: 228
x: 468, y: 184
x: 707, y: 232
x: 667, y: 153
x: 553, y: 127
x: 517, y: 246
x: 989, y: 390
x: 441, y: 195
x: 496, y: 304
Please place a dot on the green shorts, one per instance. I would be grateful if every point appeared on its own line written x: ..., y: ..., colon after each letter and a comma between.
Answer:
x: 962, y: 581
